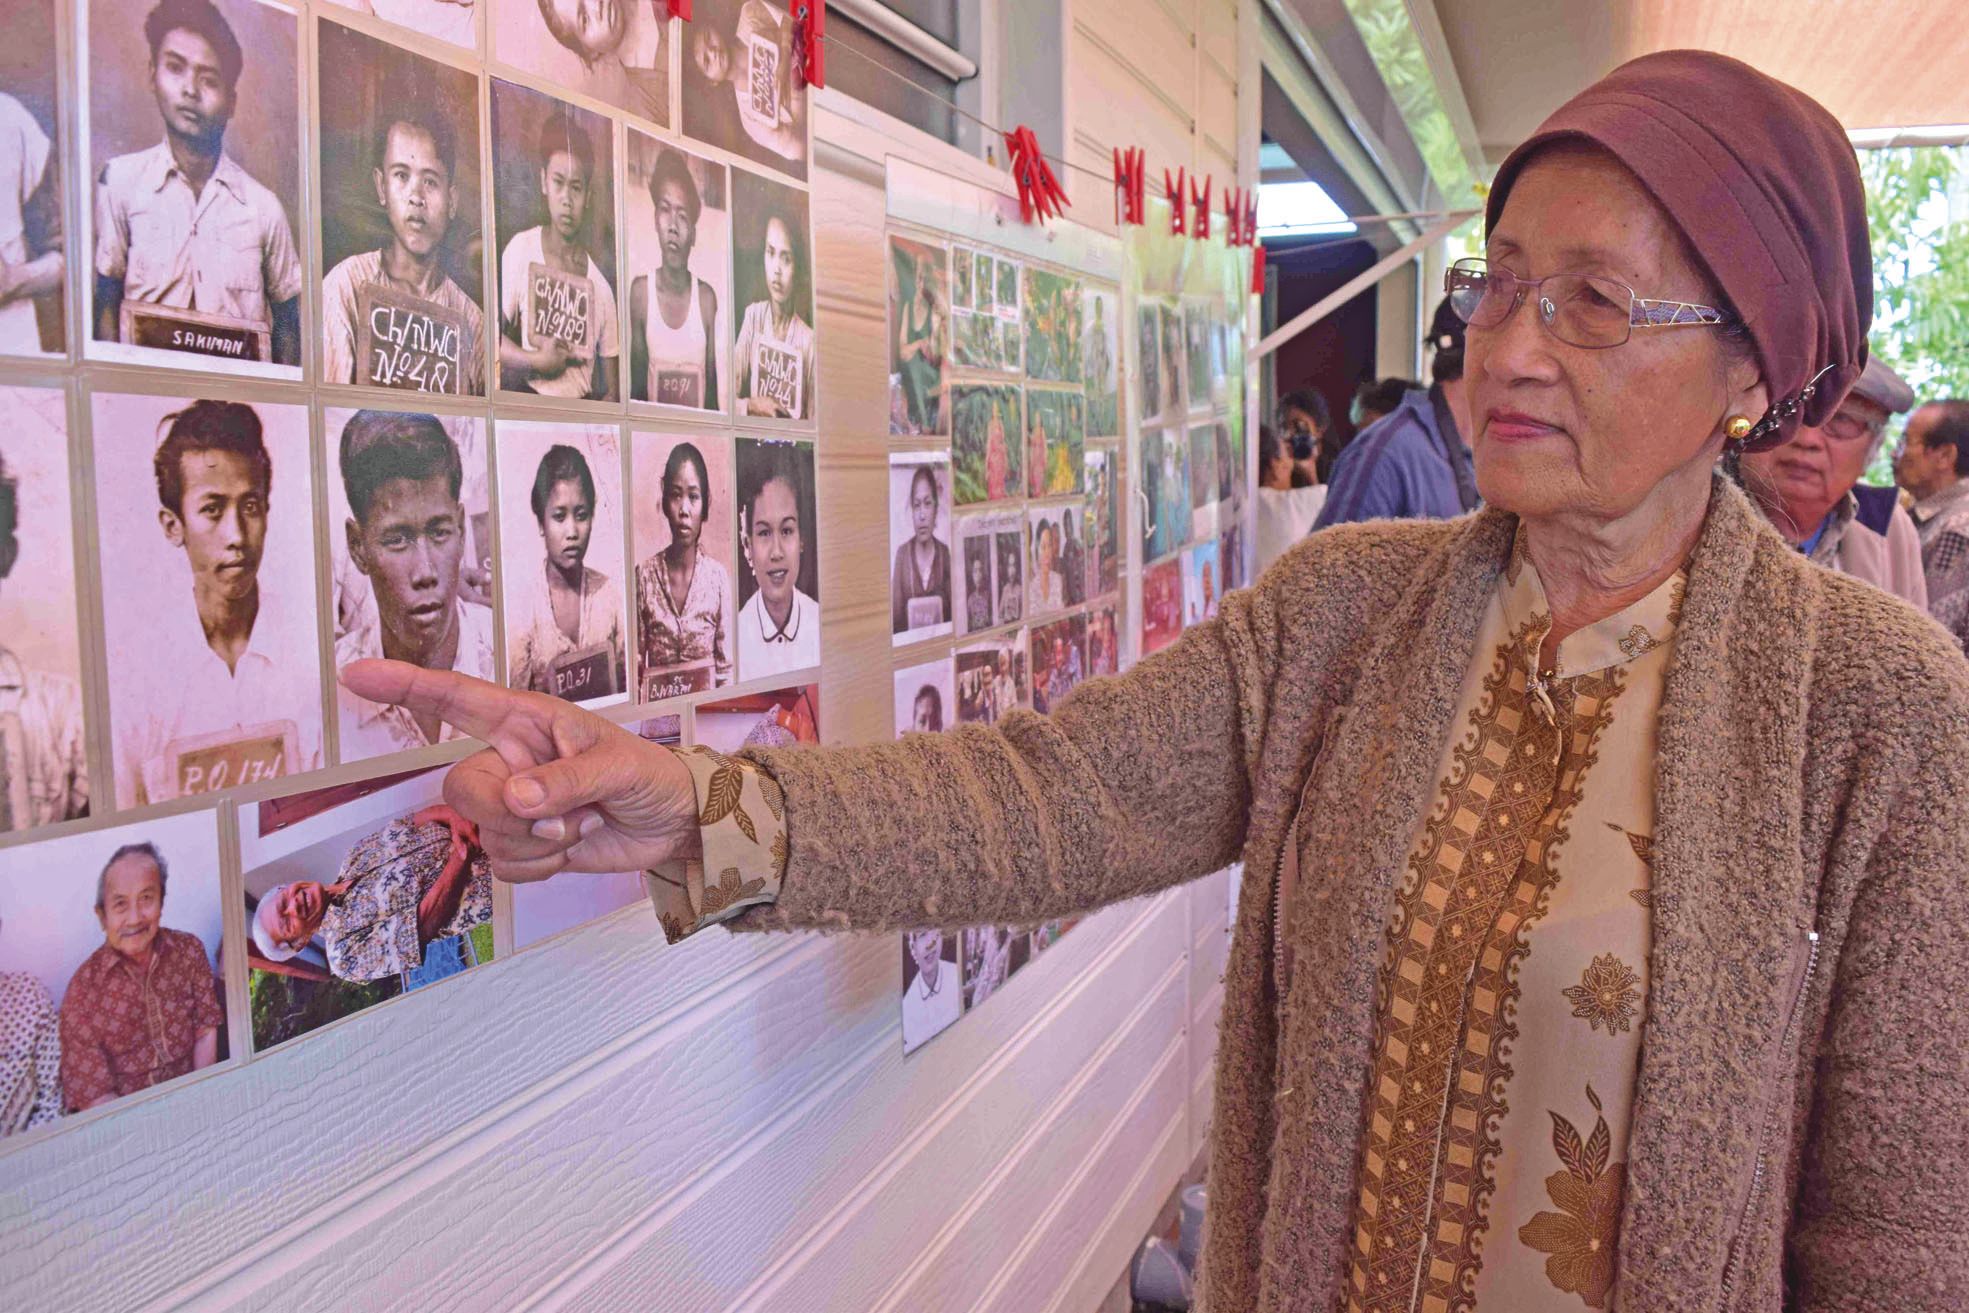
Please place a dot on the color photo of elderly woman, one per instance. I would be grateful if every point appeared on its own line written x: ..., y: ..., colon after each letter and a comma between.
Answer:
x: 563, y: 580
x: 1602, y: 936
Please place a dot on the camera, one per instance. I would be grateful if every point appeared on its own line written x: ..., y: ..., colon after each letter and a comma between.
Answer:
x: 1302, y: 446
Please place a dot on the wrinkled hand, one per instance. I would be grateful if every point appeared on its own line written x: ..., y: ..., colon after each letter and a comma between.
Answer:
x: 558, y: 788
x: 464, y: 834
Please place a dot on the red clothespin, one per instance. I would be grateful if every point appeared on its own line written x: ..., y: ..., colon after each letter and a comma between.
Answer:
x: 680, y: 9
x: 1039, y: 191
x: 1179, y: 206
x: 810, y: 39
x: 1251, y: 216
x: 1129, y: 180
x: 1200, y: 201
x: 1258, y: 269
x: 1234, y: 216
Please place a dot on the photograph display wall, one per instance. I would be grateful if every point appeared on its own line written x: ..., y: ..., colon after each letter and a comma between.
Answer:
x: 1006, y: 417
x: 344, y: 329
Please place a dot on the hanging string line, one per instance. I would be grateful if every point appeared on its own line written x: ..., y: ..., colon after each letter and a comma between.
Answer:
x: 998, y: 135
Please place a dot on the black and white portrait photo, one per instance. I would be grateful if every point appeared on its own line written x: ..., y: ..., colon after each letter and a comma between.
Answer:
x: 553, y: 204
x: 401, y: 239
x: 561, y: 558
x: 616, y: 51
x: 743, y: 90
x: 919, y: 538
x: 410, y: 535
x: 676, y: 214
x: 779, y: 586
x: 772, y: 278
x: 452, y: 21
x: 33, y: 251
x: 44, y: 742
x: 192, y: 219
x: 204, y: 518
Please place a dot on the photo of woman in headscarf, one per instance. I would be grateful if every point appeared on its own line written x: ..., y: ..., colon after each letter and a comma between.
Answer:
x: 564, y: 613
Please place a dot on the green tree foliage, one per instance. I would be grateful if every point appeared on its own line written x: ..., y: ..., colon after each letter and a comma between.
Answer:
x: 1915, y: 202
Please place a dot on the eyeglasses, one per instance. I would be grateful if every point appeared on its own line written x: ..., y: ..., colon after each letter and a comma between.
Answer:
x: 1845, y: 426
x: 1582, y: 310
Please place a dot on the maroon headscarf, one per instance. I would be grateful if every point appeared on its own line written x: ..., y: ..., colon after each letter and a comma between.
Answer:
x: 1764, y: 184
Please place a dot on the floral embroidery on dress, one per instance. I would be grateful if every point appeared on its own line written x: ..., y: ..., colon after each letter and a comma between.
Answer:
x: 1638, y: 642
x: 729, y: 889
x: 1605, y: 994
x: 1580, y: 1238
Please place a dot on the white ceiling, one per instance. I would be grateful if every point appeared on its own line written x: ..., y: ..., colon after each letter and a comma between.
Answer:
x: 1873, y: 63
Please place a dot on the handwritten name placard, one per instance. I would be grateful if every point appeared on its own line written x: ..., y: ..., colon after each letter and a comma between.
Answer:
x: 680, y: 387
x: 586, y: 672
x: 166, y: 329
x: 558, y: 306
x: 226, y: 759
x: 762, y: 85
x: 777, y: 374
x: 407, y: 342
x: 676, y: 682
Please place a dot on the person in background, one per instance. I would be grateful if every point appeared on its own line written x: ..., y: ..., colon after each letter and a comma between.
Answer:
x: 1415, y: 463
x: 39, y: 709
x: 1307, y: 423
x: 419, y: 879
x: 1809, y: 489
x: 1933, y: 466
x: 143, y: 1008
x: 1286, y: 512
x: 1377, y: 397
x: 30, y: 1055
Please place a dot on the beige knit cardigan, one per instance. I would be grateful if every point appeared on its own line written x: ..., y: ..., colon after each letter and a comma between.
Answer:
x: 1801, y: 1120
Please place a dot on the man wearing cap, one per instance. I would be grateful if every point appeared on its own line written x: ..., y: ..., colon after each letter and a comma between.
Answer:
x: 1413, y: 463
x: 1809, y: 489
x: 420, y: 878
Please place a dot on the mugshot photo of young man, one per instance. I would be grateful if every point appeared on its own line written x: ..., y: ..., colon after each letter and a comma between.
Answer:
x: 400, y: 219
x: 194, y: 252
x: 553, y: 201
x: 743, y: 91
x: 677, y: 213
x: 204, y: 512
x: 44, y: 766
x: 33, y: 252
x: 397, y: 497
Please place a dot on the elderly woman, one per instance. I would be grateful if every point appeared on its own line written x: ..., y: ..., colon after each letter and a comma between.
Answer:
x: 1600, y: 941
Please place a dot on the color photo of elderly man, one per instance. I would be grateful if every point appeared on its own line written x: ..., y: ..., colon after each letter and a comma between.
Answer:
x: 107, y: 946
x: 195, y: 260
x: 355, y: 894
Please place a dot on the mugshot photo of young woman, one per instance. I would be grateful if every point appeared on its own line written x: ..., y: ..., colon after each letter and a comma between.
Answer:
x: 677, y: 218
x: 919, y: 527
x: 683, y: 547
x: 563, y: 583
x: 774, y: 354
x: 779, y: 615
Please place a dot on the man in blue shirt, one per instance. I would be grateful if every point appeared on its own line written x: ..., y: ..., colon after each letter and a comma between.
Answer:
x: 1414, y: 462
